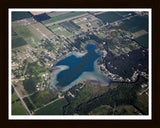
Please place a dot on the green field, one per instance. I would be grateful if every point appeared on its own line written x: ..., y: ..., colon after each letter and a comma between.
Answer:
x: 136, y: 23
x: 109, y: 17
x: 17, y: 42
x: 27, y: 35
x: 43, y: 97
x: 62, y: 17
x: 54, y: 26
x: 52, y: 14
x: 14, y: 97
x: 55, y: 108
x: 143, y: 40
x: 65, y: 33
x: 70, y: 26
x: 18, y: 109
x: 23, y: 31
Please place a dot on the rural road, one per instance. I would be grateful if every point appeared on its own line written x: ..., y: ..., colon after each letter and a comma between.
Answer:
x: 23, y: 103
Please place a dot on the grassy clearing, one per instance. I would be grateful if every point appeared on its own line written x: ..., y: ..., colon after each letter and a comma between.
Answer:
x: 55, y: 108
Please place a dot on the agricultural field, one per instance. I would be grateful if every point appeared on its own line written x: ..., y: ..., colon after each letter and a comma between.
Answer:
x: 27, y: 35
x: 59, y: 30
x: 139, y: 33
x: 54, y: 26
x: 41, y: 17
x: 70, y: 26
x: 125, y: 14
x: 20, y: 15
x: 109, y: 17
x: 43, y: 97
x: 136, y: 23
x: 65, y: 33
x: 62, y: 17
x: 53, y: 14
x: 143, y: 40
x: 17, y: 41
x: 40, y: 31
x: 18, y: 109
x: 56, y: 108
x: 118, y: 110
x: 14, y: 97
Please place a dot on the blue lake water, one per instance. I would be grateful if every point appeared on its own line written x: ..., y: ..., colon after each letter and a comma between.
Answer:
x: 77, y: 67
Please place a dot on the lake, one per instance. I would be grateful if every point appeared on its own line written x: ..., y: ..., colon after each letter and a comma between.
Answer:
x: 78, y: 67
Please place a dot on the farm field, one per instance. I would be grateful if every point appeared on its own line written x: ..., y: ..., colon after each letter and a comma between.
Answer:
x: 17, y: 42
x: 65, y: 33
x: 109, y: 17
x: 62, y: 17
x: 41, y: 17
x: 14, y: 96
x: 136, y: 23
x: 54, y: 26
x: 55, y: 108
x: 18, y: 109
x: 139, y: 33
x: 27, y: 35
x: 70, y: 26
x: 20, y: 15
x: 143, y: 40
x: 52, y: 14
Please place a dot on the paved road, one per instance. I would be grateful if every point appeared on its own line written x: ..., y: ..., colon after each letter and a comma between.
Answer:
x: 23, y: 103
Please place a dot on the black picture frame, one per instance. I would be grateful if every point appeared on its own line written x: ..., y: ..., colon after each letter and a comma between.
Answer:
x: 153, y: 4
